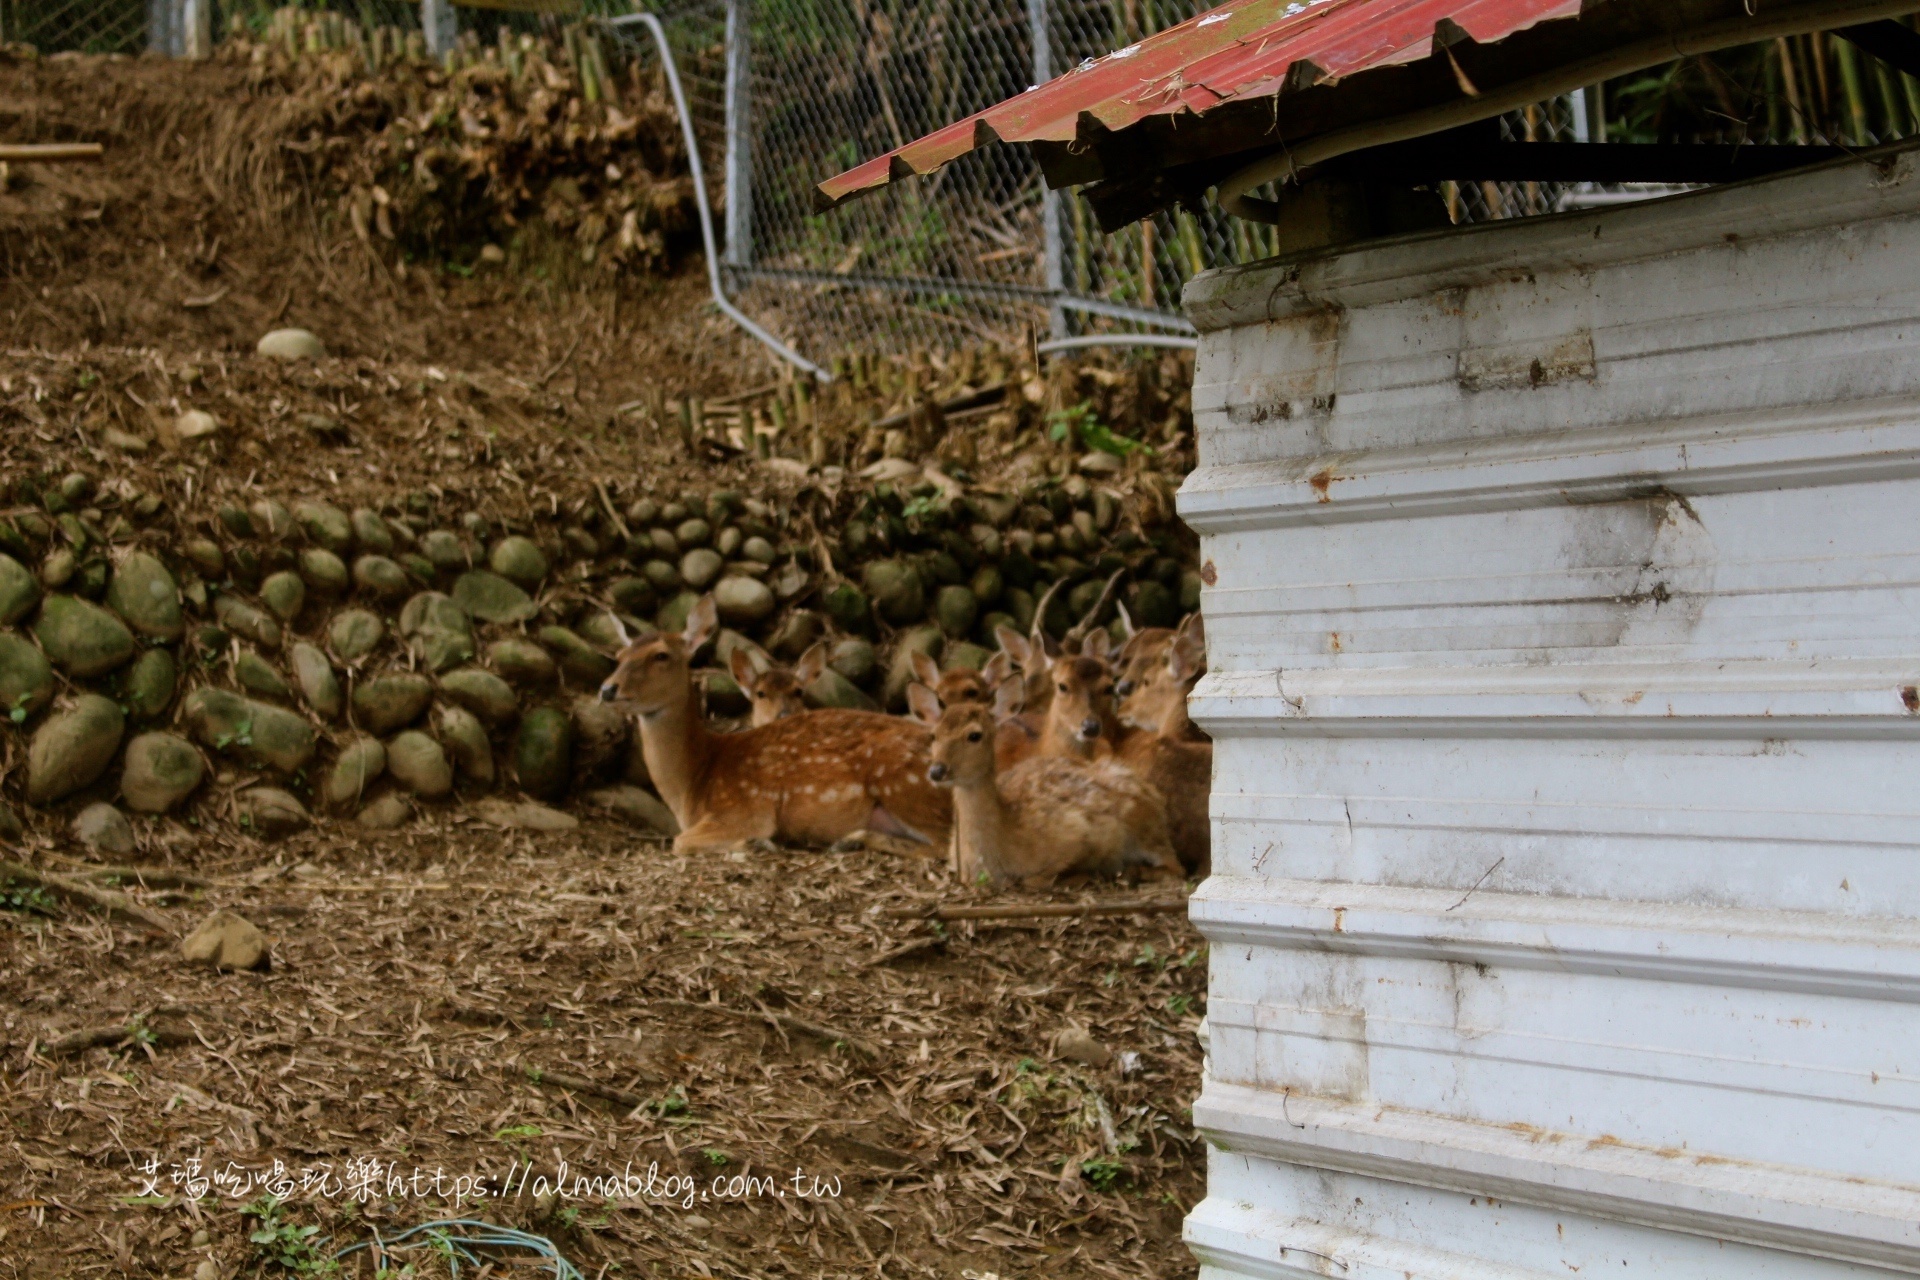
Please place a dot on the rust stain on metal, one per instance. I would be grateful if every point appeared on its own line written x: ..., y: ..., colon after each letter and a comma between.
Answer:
x: 1209, y: 574
x: 1910, y: 698
x: 1322, y: 482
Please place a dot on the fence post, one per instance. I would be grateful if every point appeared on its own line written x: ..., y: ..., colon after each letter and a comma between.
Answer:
x: 437, y: 25
x: 196, y: 36
x: 159, y: 28
x: 1049, y: 199
x: 739, y: 137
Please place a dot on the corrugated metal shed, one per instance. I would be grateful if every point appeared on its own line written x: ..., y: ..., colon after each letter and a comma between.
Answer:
x: 1243, y: 49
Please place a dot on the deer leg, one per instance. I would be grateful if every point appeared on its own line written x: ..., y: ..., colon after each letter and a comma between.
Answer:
x: 715, y: 834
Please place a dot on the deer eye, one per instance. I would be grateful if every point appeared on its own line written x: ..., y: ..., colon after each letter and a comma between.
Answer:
x: 974, y: 736
x: 1061, y: 687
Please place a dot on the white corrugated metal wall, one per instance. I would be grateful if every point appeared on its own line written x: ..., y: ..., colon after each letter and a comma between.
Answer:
x: 1564, y: 638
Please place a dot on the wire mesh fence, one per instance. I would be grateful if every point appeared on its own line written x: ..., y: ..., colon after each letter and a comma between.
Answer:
x: 786, y: 92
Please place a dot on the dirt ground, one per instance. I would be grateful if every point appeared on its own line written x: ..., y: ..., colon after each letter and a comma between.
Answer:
x: 464, y: 1022
x: 424, y: 983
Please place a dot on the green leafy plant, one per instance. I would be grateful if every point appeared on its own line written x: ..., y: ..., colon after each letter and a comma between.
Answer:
x: 518, y: 1131
x: 30, y: 898
x: 1179, y: 1005
x: 292, y: 1248
x: 715, y: 1156
x: 674, y: 1103
x: 1079, y: 422
x: 1102, y: 1174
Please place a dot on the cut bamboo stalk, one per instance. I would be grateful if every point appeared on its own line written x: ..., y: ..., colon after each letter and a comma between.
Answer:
x: 50, y: 152
x: 1859, y: 132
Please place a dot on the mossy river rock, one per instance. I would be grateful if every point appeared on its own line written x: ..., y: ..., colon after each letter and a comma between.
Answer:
x: 26, y: 678
x: 743, y: 601
x: 465, y: 739
x: 419, y: 764
x: 355, y: 633
x: 324, y: 571
x: 319, y: 686
x: 19, y: 592
x: 518, y: 560
x: 355, y: 770
x: 241, y: 618
x: 380, y: 578
x: 81, y: 638
x: 147, y: 684
x: 481, y: 692
x: 73, y: 748
x: 270, y: 812
x: 104, y: 830
x: 258, y: 676
x: 522, y: 662
x: 491, y: 598
x: 145, y: 595
x: 389, y: 702
x: 284, y: 594
x: 160, y: 771
x: 580, y: 663
x: 543, y: 753
x: 370, y: 532
x: 699, y: 568
x: 325, y: 525
x: 256, y: 731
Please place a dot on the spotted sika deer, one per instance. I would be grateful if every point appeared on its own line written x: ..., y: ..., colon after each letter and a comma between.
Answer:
x: 805, y: 779
x: 774, y: 692
x: 1048, y: 816
x: 1150, y: 696
x: 961, y: 684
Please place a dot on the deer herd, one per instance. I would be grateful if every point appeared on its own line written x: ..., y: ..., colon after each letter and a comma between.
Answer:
x: 1073, y: 757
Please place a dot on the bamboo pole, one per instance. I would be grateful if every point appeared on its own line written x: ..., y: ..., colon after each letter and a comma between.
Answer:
x: 1860, y: 134
x: 1796, y: 104
x: 50, y: 152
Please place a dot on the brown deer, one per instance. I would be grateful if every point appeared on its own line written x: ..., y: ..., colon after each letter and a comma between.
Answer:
x: 961, y: 684
x: 1048, y: 816
x: 805, y: 779
x: 1148, y: 693
x: 1083, y: 723
x: 775, y: 693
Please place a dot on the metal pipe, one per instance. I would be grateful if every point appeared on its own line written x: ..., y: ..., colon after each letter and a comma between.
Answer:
x: 1050, y: 229
x: 1121, y: 340
x: 439, y: 25
x: 733, y: 313
x: 739, y: 142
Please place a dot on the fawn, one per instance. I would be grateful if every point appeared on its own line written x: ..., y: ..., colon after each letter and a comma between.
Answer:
x: 1083, y: 723
x: 1149, y: 694
x: 776, y: 693
x: 806, y: 779
x: 1047, y: 816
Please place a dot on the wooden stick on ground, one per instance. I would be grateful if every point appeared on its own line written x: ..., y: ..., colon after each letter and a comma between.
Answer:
x: 91, y: 1037
x: 106, y: 899
x: 152, y: 877
x: 49, y: 152
x: 818, y: 1030
x: 580, y: 1084
x: 1036, y: 910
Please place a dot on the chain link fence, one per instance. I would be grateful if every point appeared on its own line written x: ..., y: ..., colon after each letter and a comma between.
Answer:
x: 786, y: 92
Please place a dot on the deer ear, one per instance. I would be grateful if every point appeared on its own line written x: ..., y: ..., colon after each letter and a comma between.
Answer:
x: 702, y: 621
x: 1194, y: 627
x: 925, y: 669
x: 620, y: 629
x: 1186, y: 658
x: 1010, y: 699
x: 1098, y: 644
x: 1013, y: 644
x: 1126, y: 619
x: 812, y: 664
x: 998, y: 667
x: 744, y: 674
x: 924, y: 704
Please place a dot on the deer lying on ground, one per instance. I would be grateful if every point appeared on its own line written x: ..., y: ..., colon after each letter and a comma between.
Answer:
x: 1148, y: 692
x: 961, y: 684
x: 1083, y: 723
x: 775, y: 693
x: 806, y: 779
x: 1047, y: 816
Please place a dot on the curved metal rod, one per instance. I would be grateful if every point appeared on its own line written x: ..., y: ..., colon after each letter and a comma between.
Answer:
x: 727, y: 308
x: 1120, y: 340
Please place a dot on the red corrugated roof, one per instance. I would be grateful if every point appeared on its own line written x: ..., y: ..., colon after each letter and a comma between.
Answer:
x: 1244, y: 49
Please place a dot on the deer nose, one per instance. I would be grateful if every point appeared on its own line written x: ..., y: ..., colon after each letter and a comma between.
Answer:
x: 608, y: 693
x: 1090, y: 728
x: 936, y: 772
x: 1123, y: 688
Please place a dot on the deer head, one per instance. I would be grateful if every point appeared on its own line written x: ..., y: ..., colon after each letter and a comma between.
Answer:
x: 655, y: 674
x: 962, y: 751
x: 775, y: 692
x: 1082, y: 710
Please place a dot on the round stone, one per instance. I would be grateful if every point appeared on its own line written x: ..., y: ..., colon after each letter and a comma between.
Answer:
x: 160, y: 771
x: 742, y: 601
x: 270, y: 812
x: 241, y: 618
x: 389, y: 702
x: 145, y: 595
x: 580, y: 663
x: 847, y: 605
x: 465, y: 739
x: 101, y: 828
x: 271, y: 518
x: 359, y: 764
x: 319, y: 686
x: 543, y: 753
x: 73, y: 748
x: 355, y: 633
x: 284, y: 594
x: 81, y: 638
x: 518, y: 560
x: 18, y: 592
x: 758, y: 548
x: 291, y: 344
x: 325, y: 525
x: 897, y: 591
x: 147, y: 683
x: 370, y: 533
x: 256, y: 675
x: 855, y: 659
x: 205, y: 555
x: 324, y: 571
x: 955, y: 609
x: 419, y: 764
x: 662, y: 575
x: 692, y: 533
x: 26, y: 678
x: 380, y: 577
x: 445, y: 551
x: 522, y: 662
x: 492, y: 598
x: 481, y: 692
x: 700, y: 567
x: 385, y: 814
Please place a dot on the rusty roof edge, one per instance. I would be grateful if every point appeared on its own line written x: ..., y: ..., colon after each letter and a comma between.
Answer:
x: 1286, y: 164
